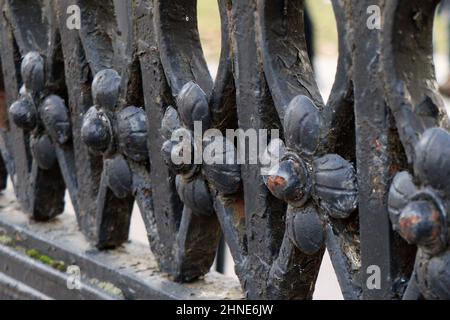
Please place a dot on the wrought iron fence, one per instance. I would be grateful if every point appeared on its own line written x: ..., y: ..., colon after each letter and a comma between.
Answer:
x: 91, y: 108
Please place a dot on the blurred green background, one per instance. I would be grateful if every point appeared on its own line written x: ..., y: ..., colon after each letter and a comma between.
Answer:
x: 324, y: 27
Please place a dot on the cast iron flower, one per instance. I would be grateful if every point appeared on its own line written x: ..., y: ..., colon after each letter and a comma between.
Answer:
x: 181, y: 143
x: 118, y: 133
x: 46, y: 117
x: 304, y: 173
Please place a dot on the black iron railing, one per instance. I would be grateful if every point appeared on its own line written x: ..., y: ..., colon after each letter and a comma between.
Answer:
x: 93, y: 108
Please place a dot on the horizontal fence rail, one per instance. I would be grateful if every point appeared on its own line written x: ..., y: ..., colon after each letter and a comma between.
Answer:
x: 101, y: 100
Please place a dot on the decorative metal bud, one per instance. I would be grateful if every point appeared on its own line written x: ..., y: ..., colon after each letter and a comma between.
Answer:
x: 43, y: 152
x: 305, y: 230
x: 33, y: 72
x: 290, y: 181
x: 193, y: 106
x: 170, y: 122
x: 195, y: 195
x: 422, y: 223
x: 335, y: 185
x: 55, y: 116
x: 119, y: 177
x: 96, y: 131
x: 401, y: 191
x: 221, y: 168
x: 432, y: 163
x: 105, y: 88
x: 302, y: 125
x: 132, y: 131
x: 23, y: 114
